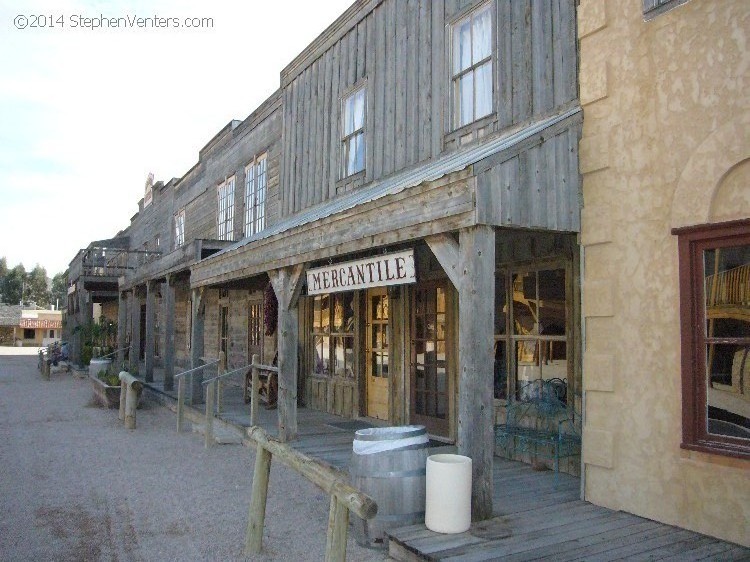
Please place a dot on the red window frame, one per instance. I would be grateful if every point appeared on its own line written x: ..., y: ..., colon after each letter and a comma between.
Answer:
x: 692, y: 242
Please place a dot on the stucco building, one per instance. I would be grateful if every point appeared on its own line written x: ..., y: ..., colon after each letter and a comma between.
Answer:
x: 666, y: 246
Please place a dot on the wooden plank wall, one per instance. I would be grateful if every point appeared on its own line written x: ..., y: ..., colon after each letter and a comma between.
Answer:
x: 537, y: 187
x: 399, y: 52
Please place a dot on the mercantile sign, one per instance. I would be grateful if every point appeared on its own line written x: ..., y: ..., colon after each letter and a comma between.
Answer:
x: 33, y: 323
x: 388, y: 269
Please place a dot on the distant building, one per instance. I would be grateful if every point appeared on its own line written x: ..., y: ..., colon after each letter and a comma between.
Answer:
x: 29, y: 326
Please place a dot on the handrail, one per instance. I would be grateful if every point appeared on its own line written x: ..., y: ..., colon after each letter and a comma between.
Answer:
x: 344, y: 497
x: 181, y: 391
x: 114, y: 352
x: 198, y: 368
x: 262, y: 367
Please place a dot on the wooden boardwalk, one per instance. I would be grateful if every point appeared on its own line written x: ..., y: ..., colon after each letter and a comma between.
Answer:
x: 537, y: 516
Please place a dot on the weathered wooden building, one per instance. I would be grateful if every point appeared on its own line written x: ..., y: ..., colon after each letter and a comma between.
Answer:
x: 444, y: 134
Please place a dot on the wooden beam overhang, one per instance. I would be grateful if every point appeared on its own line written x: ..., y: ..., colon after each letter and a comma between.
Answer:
x: 434, y: 207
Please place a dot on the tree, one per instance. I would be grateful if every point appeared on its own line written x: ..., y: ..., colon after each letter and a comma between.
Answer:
x: 36, y: 287
x: 59, y: 292
x: 3, y: 273
x: 13, y: 285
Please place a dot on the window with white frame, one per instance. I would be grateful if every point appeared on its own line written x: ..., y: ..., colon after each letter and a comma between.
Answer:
x: 255, y: 195
x: 471, y: 70
x: 179, y: 229
x: 225, y: 216
x: 353, y: 133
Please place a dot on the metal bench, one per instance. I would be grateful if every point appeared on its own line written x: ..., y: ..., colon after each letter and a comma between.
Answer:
x: 539, y: 421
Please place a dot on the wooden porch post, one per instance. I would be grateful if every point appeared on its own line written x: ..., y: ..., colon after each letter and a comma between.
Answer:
x: 122, y: 318
x: 135, y: 332
x: 168, y: 308
x: 287, y: 284
x: 150, y: 321
x: 470, y: 265
x: 196, y: 346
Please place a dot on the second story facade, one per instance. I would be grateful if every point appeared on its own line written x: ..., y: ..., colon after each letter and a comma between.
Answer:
x: 393, y: 84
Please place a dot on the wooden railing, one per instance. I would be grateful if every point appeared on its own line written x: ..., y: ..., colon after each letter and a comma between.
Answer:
x: 344, y: 497
x: 181, y: 391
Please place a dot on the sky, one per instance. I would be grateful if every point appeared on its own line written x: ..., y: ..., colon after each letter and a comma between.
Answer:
x: 87, y: 112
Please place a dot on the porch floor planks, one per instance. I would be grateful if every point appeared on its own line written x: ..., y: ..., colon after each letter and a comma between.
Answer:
x: 525, y: 541
x: 545, y: 516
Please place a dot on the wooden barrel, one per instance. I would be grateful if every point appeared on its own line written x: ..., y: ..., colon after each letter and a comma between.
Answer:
x: 388, y: 464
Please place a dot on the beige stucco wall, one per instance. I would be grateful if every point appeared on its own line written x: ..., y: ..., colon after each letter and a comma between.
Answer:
x: 666, y: 143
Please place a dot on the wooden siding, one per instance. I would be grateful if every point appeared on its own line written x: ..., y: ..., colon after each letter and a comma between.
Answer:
x: 398, y: 50
x: 537, y: 187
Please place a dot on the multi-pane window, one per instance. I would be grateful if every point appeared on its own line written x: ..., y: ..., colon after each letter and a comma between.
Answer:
x: 255, y: 195
x: 531, y: 327
x: 255, y: 324
x: 333, y: 334
x: 715, y: 323
x: 179, y: 229
x: 353, y: 133
x: 225, y: 216
x: 471, y: 70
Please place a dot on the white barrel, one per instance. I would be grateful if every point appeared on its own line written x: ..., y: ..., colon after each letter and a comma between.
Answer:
x: 97, y: 365
x: 448, y: 503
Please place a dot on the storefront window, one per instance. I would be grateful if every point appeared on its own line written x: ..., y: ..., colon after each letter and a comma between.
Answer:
x: 333, y: 334
x: 531, y: 320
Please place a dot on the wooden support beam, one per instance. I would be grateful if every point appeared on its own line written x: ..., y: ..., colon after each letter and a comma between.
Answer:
x: 210, y: 397
x: 122, y: 318
x: 287, y: 284
x: 476, y: 290
x: 446, y: 250
x: 135, y: 333
x: 196, y: 345
x: 168, y: 308
x: 180, y: 403
x: 148, y: 375
x: 254, y: 390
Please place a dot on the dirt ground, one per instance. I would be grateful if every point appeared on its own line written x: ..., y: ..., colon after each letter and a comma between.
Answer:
x: 75, y: 485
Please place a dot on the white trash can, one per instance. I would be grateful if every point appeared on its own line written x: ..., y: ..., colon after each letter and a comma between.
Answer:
x: 448, y: 503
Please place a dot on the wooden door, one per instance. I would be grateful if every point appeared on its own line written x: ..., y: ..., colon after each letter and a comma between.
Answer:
x: 429, y: 358
x: 377, y: 369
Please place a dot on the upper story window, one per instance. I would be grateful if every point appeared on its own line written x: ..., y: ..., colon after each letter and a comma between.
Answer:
x: 471, y: 72
x: 225, y: 216
x: 179, y: 229
x: 353, y: 133
x: 715, y: 326
x: 255, y: 195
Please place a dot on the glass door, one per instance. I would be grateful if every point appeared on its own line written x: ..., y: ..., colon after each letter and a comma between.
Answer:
x: 377, y: 353
x: 429, y: 358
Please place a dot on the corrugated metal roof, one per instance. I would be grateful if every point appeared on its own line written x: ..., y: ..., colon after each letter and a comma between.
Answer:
x: 432, y: 171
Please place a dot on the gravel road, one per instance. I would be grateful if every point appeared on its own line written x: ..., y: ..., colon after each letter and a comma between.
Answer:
x: 75, y: 485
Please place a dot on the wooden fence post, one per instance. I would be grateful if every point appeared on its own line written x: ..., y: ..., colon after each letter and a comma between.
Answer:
x: 338, y: 521
x: 210, y: 391
x: 257, y: 515
x: 123, y: 397
x: 180, y: 403
x: 254, y: 391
